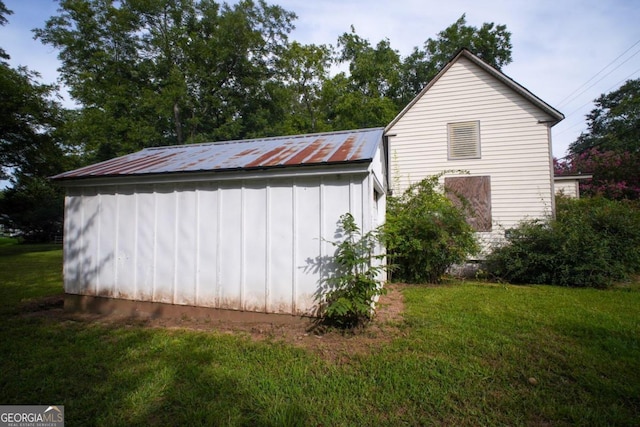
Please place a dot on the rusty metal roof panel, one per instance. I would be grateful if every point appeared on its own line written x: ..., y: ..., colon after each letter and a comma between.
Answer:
x: 285, y: 151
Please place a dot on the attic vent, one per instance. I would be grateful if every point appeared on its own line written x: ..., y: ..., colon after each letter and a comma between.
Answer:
x: 464, y: 140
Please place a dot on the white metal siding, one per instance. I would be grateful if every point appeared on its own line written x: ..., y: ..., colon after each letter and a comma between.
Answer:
x: 515, y: 147
x: 254, y: 245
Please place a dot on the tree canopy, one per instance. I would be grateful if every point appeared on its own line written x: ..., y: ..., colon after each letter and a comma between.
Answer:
x: 30, y: 150
x: 180, y: 71
x: 610, y: 148
x: 614, y: 125
x: 168, y: 72
x: 147, y: 73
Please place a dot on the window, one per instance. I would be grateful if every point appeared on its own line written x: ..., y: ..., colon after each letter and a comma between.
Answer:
x: 464, y: 140
x: 475, y: 193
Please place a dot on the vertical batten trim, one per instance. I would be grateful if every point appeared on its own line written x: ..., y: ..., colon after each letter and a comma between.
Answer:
x: 154, y: 191
x: 294, y: 242
x: 243, y: 264
x: 219, y: 201
x: 136, y: 196
x: 117, y: 245
x: 197, y: 226
x: 267, y: 267
x: 176, y: 240
x: 321, y: 242
x: 98, y: 248
x: 66, y: 242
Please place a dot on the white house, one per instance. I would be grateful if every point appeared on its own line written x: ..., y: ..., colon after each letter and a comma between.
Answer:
x: 240, y: 225
x: 473, y: 118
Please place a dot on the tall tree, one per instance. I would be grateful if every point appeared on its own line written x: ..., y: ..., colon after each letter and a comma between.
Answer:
x: 380, y: 83
x: 368, y: 96
x: 614, y: 123
x: 610, y: 148
x: 30, y: 150
x: 29, y: 115
x: 168, y: 71
x: 491, y: 42
x: 3, y: 21
x: 304, y: 72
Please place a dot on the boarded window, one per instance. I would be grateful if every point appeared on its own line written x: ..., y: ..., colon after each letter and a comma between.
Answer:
x: 464, y: 140
x: 473, y: 193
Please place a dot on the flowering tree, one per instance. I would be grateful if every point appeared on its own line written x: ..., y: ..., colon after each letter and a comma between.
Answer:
x: 610, y: 148
x: 615, y: 174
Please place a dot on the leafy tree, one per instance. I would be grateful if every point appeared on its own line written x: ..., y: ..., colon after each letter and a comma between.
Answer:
x: 368, y: 96
x: 170, y: 71
x: 304, y: 71
x: 492, y: 43
x: 28, y: 117
x: 30, y: 150
x: 610, y: 149
x: 380, y: 83
x: 34, y: 207
x: 615, y: 173
x: 614, y: 125
x: 3, y: 21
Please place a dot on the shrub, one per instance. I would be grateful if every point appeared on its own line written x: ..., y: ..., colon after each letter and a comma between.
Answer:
x: 593, y: 242
x: 354, y: 285
x: 425, y: 233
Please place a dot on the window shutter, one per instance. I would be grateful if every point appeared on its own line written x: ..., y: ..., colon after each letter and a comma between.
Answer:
x: 464, y: 140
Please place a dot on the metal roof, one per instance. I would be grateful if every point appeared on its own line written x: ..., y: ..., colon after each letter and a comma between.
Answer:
x: 299, y: 150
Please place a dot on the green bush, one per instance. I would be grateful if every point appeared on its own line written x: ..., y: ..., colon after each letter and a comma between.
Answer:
x: 593, y: 242
x: 425, y: 233
x: 353, y: 286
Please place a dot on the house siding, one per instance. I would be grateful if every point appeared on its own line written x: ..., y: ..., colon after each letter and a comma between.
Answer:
x: 568, y: 188
x: 514, y: 144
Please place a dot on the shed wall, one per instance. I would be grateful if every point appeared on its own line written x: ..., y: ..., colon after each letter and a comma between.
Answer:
x: 569, y: 188
x: 255, y: 245
x: 514, y: 144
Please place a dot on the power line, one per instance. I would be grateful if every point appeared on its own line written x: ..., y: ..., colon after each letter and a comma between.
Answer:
x: 608, y: 90
x: 562, y: 101
x: 603, y: 77
x: 623, y: 80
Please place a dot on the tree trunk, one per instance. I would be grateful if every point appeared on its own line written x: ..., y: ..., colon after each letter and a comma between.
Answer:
x: 176, y: 118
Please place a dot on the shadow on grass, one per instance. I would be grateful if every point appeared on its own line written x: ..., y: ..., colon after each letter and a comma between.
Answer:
x: 127, y: 375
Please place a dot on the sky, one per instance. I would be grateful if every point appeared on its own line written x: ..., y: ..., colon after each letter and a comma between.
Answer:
x: 567, y: 52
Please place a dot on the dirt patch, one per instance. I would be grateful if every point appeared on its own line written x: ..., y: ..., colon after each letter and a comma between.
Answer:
x: 331, y: 344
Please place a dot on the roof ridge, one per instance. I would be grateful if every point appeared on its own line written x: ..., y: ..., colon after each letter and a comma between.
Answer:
x: 267, y: 138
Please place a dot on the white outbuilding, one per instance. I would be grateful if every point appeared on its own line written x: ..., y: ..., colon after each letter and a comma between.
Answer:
x: 241, y: 225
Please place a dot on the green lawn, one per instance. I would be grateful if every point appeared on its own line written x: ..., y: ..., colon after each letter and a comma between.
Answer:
x: 466, y: 354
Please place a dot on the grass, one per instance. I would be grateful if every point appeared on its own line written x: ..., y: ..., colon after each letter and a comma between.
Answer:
x: 466, y: 354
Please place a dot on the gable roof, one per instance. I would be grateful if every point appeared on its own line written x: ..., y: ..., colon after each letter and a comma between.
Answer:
x: 299, y: 150
x: 508, y: 81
